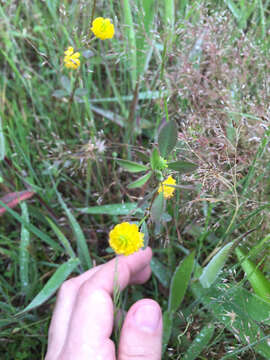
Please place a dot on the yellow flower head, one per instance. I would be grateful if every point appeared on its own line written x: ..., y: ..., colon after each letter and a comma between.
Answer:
x: 103, y: 28
x: 125, y: 238
x: 167, y: 190
x: 71, y: 59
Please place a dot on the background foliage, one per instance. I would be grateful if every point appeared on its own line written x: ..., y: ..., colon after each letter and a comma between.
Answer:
x: 203, y: 68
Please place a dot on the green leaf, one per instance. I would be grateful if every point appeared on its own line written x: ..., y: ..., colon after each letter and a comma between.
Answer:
x: 167, y: 138
x: 53, y: 284
x: 157, y: 162
x: 179, y: 283
x: 258, y: 281
x: 60, y: 93
x: 113, y: 209
x: 132, y: 166
x: 110, y: 115
x: 87, y: 53
x: 211, y: 271
x: 66, y: 84
x: 155, y: 159
x: 144, y: 230
x: 160, y: 271
x: 167, y: 329
x: 140, y: 182
x: 230, y: 305
x: 81, y: 92
x: 182, y: 166
x: 158, y: 207
x: 143, y: 95
x: 256, y: 308
x: 78, y: 99
x: 199, y: 343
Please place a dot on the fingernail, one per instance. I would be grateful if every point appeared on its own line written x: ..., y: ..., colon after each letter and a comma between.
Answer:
x: 147, y: 317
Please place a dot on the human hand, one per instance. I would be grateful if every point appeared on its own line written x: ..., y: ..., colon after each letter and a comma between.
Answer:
x: 82, y: 321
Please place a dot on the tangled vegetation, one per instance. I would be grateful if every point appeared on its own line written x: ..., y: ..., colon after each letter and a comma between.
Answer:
x: 138, y: 112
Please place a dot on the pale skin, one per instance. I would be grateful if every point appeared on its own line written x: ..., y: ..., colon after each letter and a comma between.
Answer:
x: 83, y: 317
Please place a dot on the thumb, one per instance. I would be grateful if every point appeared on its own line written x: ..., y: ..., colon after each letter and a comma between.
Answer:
x: 141, y: 335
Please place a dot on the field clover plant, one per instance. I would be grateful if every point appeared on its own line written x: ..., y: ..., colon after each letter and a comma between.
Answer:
x: 162, y: 169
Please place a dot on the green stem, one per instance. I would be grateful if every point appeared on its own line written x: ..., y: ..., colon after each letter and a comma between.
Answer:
x: 143, y: 219
x: 70, y: 101
x: 93, y: 12
x: 88, y: 180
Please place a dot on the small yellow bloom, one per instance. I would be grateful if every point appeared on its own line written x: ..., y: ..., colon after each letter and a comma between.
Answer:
x: 167, y: 190
x: 71, y: 60
x: 125, y: 238
x: 103, y: 28
x: 69, y: 51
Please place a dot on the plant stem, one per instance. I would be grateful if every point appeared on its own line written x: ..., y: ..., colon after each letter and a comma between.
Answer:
x: 93, y: 12
x: 70, y: 101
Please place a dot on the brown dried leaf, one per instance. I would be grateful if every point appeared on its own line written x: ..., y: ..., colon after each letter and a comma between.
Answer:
x: 12, y: 199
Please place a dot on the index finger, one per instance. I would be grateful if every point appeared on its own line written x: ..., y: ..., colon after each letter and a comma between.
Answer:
x: 91, y: 322
x: 120, y: 270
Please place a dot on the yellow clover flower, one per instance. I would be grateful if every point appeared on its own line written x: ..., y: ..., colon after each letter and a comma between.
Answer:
x: 103, y: 28
x: 71, y: 59
x: 167, y: 190
x: 125, y: 238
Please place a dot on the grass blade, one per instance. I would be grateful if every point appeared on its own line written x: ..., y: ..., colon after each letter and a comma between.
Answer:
x: 211, y: 271
x: 23, y: 252
x: 112, y: 209
x: 144, y: 35
x: 2, y: 142
x: 169, y: 14
x: 64, y: 241
x: 258, y: 281
x: 53, y: 284
x: 130, y: 33
x: 79, y: 235
x: 32, y: 228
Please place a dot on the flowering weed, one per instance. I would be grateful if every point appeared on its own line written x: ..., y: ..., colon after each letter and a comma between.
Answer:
x: 102, y: 28
x: 157, y: 136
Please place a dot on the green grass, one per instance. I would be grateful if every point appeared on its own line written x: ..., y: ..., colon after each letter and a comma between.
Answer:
x: 202, y: 65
